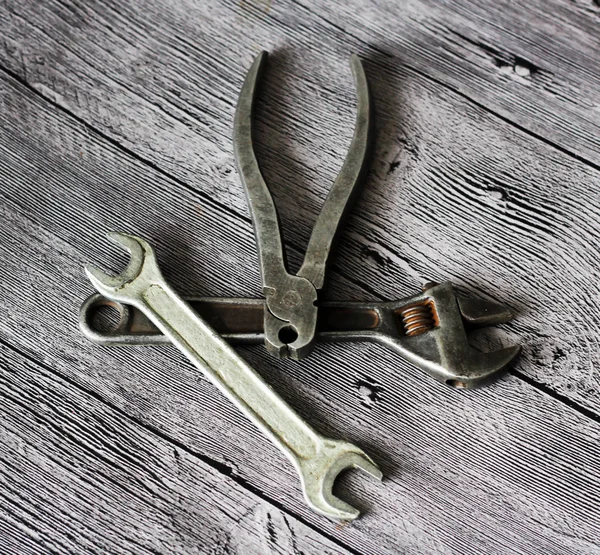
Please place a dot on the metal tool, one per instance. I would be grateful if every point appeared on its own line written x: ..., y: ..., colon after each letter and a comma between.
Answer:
x: 428, y: 329
x: 290, y: 318
x: 318, y: 459
x: 412, y: 327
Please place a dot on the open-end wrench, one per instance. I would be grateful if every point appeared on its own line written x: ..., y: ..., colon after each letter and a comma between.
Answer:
x: 412, y: 327
x: 317, y: 459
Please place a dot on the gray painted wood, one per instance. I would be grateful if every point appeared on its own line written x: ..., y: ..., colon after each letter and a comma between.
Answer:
x: 164, y: 82
x: 118, y: 116
x: 79, y: 476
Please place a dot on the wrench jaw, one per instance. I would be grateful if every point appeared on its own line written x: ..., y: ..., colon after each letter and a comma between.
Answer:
x: 141, y: 271
x: 481, y: 313
x: 443, y: 350
x: 457, y: 365
x: 488, y: 366
x: 319, y: 473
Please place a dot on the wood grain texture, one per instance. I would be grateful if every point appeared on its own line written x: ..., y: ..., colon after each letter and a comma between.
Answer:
x: 78, y: 476
x: 454, y: 188
x: 505, y: 469
x: 118, y: 116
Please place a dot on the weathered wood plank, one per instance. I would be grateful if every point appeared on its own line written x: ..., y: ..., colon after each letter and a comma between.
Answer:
x: 533, y: 63
x: 505, y: 469
x: 455, y: 193
x: 77, y: 476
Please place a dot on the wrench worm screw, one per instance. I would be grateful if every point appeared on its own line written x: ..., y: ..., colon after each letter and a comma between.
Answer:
x: 417, y: 319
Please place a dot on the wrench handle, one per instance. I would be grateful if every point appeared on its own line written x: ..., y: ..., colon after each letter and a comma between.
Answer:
x: 230, y: 373
x: 238, y: 320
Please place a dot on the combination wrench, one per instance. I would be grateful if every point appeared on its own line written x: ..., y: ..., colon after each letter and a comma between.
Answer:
x: 317, y: 459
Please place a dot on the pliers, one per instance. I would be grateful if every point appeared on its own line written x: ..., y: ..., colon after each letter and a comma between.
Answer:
x: 292, y: 300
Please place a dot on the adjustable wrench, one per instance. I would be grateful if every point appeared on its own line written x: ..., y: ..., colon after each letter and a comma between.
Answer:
x: 429, y: 329
x: 317, y: 459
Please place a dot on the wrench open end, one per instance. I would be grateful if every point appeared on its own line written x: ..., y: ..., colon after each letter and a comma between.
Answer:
x: 138, y: 250
x: 444, y: 351
x: 319, y: 476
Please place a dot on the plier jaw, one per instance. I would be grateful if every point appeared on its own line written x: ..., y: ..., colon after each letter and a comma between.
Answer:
x: 291, y: 317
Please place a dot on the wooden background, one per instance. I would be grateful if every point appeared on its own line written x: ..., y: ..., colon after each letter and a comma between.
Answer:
x: 117, y: 115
